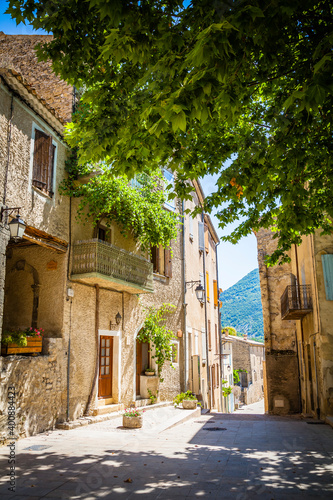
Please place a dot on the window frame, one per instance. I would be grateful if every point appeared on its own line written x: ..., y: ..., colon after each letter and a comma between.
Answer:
x: 49, y: 193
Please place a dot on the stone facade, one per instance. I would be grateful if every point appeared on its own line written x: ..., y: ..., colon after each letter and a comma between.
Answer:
x: 37, y: 280
x: 280, y: 336
x: 203, y: 366
x: 249, y: 355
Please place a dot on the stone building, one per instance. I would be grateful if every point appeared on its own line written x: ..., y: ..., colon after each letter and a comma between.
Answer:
x: 248, y: 355
x: 298, y: 315
x: 87, y: 287
x: 202, y: 339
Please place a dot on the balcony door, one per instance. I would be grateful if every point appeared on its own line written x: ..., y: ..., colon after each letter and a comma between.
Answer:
x: 105, y: 367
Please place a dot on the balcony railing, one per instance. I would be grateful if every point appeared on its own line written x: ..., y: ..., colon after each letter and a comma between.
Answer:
x: 99, y: 262
x: 296, y: 301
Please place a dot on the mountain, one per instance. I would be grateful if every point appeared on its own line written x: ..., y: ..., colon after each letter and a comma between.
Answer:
x: 241, y: 306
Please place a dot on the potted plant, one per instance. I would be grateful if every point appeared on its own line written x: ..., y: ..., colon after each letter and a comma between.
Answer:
x: 133, y: 418
x: 187, y: 399
x: 149, y: 372
x: 28, y: 341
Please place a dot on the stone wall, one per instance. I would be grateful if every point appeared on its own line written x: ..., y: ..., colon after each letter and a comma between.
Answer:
x: 280, y: 335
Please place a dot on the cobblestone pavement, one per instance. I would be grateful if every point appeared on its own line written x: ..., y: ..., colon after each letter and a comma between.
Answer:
x: 241, y: 456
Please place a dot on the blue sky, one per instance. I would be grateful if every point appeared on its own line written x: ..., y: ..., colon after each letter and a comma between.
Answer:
x: 234, y: 261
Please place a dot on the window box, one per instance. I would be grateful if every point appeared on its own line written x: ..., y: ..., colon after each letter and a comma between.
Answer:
x: 34, y: 346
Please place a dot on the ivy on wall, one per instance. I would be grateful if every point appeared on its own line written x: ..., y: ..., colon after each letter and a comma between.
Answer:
x: 136, y: 209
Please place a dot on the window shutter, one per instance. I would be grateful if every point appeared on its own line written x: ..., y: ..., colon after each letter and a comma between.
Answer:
x: 217, y: 375
x: 206, y: 238
x: 209, y: 336
x: 51, y: 168
x: 207, y: 286
x: 43, y: 161
x: 167, y: 262
x: 203, y: 345
x: 201, y: 236
x: 327, y: 261
x: 215, y: 293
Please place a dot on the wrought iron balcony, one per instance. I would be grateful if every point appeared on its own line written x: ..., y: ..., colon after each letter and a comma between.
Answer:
x: 296, y: 301
x: 99, y: 262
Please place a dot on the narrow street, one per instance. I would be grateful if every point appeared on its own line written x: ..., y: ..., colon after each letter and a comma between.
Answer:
x: 239, y: 456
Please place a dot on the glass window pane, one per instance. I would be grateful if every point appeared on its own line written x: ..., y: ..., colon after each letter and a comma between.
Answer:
x: 107, y: 352
x: 107, y: 342
x: 107, y: 370
x: 103, y: 361
x: 107, y: 361
x: 102, y: 370
x: 103, y: 342
x: 103, y: 351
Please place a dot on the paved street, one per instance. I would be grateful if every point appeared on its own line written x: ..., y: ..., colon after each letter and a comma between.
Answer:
x: 241, y: 456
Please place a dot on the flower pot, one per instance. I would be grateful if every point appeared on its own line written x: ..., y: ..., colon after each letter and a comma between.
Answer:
x: 150, y: 374
x: 190, y: 404
x: 132, y: 422
x: 34, y: 346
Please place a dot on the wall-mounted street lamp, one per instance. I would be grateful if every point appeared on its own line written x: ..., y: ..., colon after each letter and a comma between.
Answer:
x: 118, y: 320
x: 199, y: 291
x: 17, y: 225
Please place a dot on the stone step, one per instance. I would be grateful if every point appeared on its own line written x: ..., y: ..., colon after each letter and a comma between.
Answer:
x: 140, y: 402
x: 102, y: 410
x: 104, y: 402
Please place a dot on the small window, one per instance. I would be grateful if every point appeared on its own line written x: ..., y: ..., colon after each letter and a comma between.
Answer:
x: 215, y: 293
x: 207, y: 286
x: 175, y: 353
x: 161, y: 259
x: 201, y: 230
x: 169, y: 179
x: 43, y: 162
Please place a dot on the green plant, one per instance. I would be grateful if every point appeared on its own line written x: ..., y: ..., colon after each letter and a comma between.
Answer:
x: 137, y: 210
x: 226, y: 390
x: 19, y: 337
x: 155, y: 332
x: 133, y: 412
x: 188, y: 395
x: 236, y: 375
x: 149, y: 370
x: 152, y: 397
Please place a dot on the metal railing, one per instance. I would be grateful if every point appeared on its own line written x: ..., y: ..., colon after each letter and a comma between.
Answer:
x: 296, y: 301
x: 96, y: 256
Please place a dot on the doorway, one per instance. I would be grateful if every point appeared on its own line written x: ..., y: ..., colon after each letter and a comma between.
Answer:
x: 105, y: 367
x: 142, y: 361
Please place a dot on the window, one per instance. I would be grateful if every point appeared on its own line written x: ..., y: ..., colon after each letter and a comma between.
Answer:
x: 206, y: 238
x: 175, y: 353
x: 207, y: 286
x: 161, y: 259
x: 169, y: 179
x: 103, y: 233
x: 215, y: 293
x: 203, y: 345
x: 43, y: 162
x: 327, y: 262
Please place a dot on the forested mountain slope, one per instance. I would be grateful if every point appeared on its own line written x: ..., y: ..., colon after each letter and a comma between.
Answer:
x: 241, y: 306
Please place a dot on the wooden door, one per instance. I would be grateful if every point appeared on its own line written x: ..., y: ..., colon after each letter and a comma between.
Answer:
x: 142, y: 360
x: 105, y: 367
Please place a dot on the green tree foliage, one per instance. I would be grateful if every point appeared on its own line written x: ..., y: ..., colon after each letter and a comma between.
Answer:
x: 157, y: 335
x: 138, y: 210
x: 194, y: 84
x: 242, y: 308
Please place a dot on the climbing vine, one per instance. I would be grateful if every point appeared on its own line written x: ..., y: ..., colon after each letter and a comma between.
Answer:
x: 137, y: 208
x: 156, y: 333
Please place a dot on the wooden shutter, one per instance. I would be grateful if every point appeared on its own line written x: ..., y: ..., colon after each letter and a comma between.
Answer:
x: 215, y: 293
x: 43, y: 161
x: 51, y: 169
x: 216, y: 340
x: 206, y: 238
x: 327, y: 262
x: 209, y: 336
x: 167, y: 262
x: 217, y: 375
x: 201, y: 236
x: 207, y: 286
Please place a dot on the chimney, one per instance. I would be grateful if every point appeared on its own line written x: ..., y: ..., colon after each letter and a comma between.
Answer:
x: 245, y: 336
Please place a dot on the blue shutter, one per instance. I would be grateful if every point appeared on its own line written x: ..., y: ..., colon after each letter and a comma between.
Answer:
x: 201, y: 236
x: 327, y: 261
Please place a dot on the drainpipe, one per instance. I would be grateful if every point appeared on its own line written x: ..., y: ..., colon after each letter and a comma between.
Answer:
x: 206, y: 323
x: 219, y: 323
x: 69, y: 354
x: 184, y: 307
